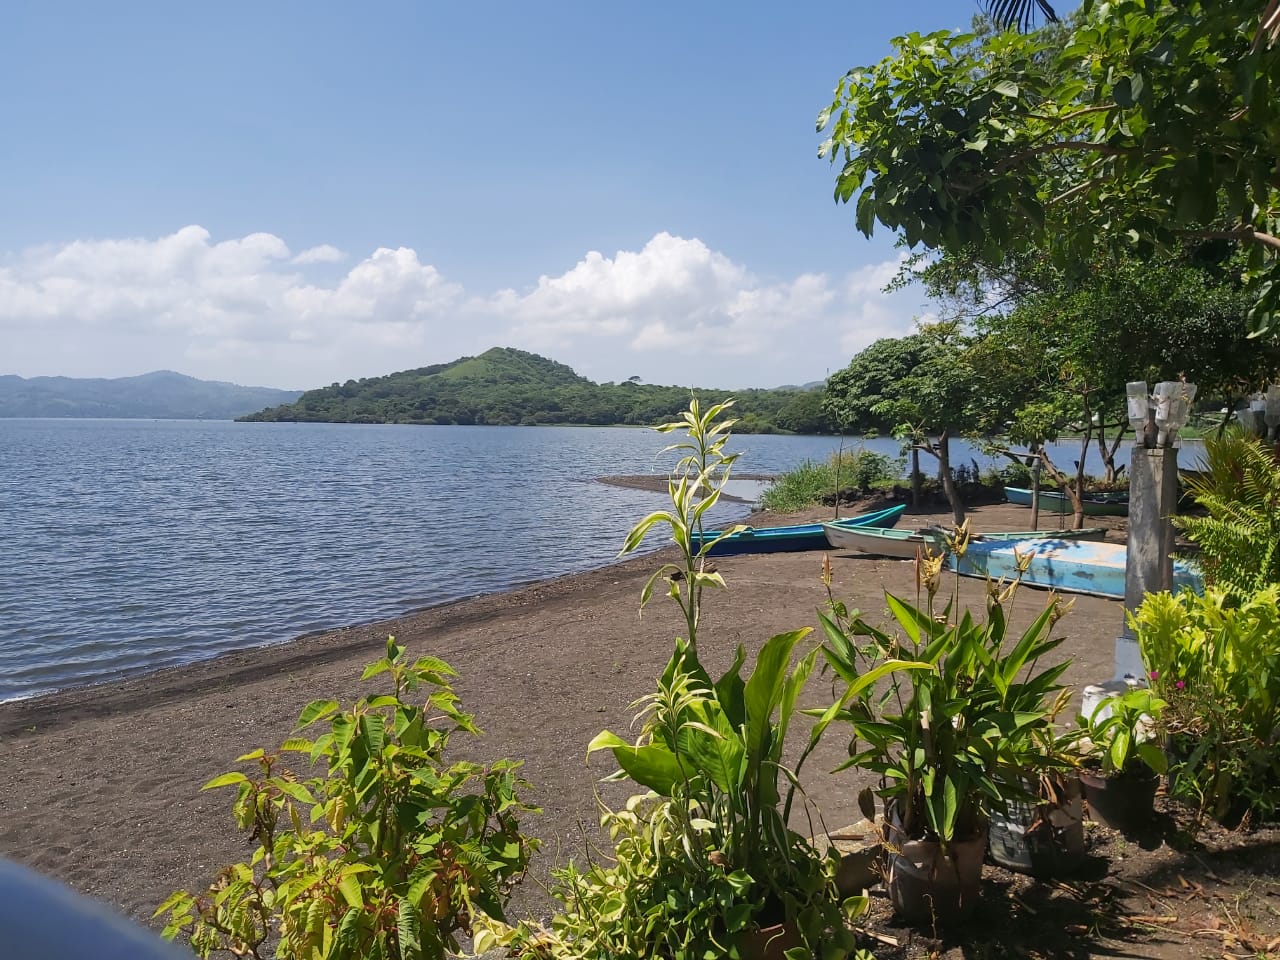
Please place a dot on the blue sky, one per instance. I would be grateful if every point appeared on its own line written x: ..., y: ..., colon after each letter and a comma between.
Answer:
x: 289, y: 194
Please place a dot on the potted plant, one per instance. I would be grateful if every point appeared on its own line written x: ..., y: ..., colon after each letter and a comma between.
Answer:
x: 952, y: 738
x: 1123, y: 759
x: 711, y: 754
x: 1043, y: 835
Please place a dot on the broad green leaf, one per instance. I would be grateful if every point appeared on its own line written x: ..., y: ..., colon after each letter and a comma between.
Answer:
x: 226, y: 780
x: 316, y: 710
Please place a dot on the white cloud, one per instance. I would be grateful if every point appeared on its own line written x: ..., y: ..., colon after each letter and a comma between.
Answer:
x: 244, y: 309
x: 697, y: 317
x: 325, y: 253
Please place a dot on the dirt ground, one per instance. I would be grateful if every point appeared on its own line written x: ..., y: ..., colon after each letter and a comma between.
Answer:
x: 100, y: 787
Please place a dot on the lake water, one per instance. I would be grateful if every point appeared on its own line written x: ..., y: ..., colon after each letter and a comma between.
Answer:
x: 135, y: 545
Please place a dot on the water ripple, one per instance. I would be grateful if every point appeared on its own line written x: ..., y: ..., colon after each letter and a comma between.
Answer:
x: 136, y: 545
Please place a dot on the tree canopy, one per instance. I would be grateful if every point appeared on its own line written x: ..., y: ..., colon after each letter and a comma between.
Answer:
x: 1150, y: 123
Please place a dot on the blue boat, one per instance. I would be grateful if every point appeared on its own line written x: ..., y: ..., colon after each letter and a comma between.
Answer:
x: 800, y: 536
x: 1076, y: 566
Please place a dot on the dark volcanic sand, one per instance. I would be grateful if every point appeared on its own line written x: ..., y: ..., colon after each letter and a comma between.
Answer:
x: 100, y: 787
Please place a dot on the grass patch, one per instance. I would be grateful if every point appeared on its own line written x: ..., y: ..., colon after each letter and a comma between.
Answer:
x: 814, y: 482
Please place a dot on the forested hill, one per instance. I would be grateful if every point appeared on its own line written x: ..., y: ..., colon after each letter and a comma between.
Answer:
x: 162, y: 395
x: 506, y: 386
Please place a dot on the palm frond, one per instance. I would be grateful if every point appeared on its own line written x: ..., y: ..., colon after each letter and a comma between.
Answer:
x: 1268, y: 27
x: 1018, y: 13
x: 1239, y: 540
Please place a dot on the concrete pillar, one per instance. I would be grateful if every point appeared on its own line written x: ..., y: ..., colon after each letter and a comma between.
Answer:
x: 1153, y: 499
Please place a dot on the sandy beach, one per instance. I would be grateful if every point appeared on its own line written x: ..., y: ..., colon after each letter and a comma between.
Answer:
x: 99, y: 787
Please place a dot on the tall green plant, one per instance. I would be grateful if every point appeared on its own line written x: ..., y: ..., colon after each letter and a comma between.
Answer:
x: 705, y: 859
x: 694, y: 487
x: 1239, y: 540
x: 388, y: 854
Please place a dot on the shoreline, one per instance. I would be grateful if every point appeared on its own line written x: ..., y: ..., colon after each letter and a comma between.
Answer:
x: 656, y: 484
x: 100, y: 786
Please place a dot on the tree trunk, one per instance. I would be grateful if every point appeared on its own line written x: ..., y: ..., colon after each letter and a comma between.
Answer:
x: 1112, y: 472
x: 915, y: 477
x: 1106, y: 453
x: 1035, y: 495
x: 948, y: 481
x: 1077, y: 491
x: 1072, y: 490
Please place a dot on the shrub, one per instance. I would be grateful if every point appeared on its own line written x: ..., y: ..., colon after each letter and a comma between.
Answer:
x: 1216, y: 661
x: 814, y: 482
x: 706, y: 864
x: 388, y: 854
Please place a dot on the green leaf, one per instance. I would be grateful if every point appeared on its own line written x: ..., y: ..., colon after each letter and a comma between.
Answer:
x: 351, y: 891
x: 1006, y: 88
x: 651, y: 766
x: 1123, y: 92
x: 316, y: 710
x: 407, y: 927
x: 226, y: 780
x: 293, y: 790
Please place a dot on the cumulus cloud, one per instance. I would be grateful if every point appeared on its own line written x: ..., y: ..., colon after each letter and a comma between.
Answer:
x: 325, y: 253
x: 698, y: 317
x: 674, y: 311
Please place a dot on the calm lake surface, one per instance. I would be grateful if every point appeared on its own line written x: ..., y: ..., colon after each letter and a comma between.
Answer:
x: 136, y: 545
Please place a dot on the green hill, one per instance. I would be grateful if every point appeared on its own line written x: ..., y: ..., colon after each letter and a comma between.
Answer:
x: 506, y: 386
x: 162, y: 395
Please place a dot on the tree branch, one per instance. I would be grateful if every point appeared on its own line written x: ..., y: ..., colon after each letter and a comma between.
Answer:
x: 1246, y: 234
x: 1078, y: 188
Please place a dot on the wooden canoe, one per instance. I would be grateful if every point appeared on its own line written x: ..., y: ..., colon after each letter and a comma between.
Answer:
x: 882, y: 542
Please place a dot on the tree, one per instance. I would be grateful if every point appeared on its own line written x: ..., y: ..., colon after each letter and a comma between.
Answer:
x: 1155, y: 122
x: 921, y: 386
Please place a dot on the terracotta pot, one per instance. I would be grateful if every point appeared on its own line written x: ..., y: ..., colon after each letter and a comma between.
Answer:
x: 1122, y: 803
x: 1044, y: 839
x: 927, y: 885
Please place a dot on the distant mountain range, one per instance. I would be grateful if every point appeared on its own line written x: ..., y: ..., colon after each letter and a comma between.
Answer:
x: 508, y: 386
x: 163, y: 395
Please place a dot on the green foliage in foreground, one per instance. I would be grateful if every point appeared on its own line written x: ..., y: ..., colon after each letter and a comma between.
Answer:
x: 1216, y: 661
x: 814, y: 482
x: 387, y: 855
x: 508, y: 387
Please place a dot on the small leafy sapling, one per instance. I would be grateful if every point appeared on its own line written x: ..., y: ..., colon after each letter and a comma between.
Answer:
x: 389, y: 853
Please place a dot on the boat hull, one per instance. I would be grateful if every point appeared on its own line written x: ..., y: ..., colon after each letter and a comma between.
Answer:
x: 801, y: 536
x: 905, y: 544
x: 1056, y: 502
x: 1075, y: 566
x: 881, y: 542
